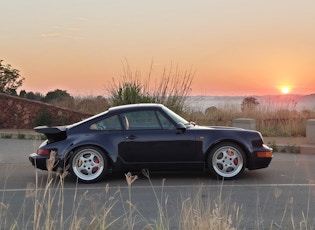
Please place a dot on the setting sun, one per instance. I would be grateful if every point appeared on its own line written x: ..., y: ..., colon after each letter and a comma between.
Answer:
x: 285, y: 90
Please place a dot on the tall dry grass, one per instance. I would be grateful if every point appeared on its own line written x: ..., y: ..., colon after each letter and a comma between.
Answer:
x: 45, y: 203
x: 270, y: 120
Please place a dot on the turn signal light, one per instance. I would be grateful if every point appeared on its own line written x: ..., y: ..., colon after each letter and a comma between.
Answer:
x: 264, y: 154
x: 43, y: 152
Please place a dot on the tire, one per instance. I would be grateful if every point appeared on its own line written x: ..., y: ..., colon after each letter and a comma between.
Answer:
x: 226, y: 161
x: 88, y: 164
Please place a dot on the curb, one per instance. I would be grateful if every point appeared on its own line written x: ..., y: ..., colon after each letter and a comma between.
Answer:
x: 21, y: 135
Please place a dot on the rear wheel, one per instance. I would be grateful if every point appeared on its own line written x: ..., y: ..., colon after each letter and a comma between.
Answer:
x: 88, y: 164
x: 226, y: 161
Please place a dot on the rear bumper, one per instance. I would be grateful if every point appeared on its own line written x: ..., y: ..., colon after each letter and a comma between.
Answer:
x: 40, y: 162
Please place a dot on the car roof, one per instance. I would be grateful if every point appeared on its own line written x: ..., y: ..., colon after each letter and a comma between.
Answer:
x: 135, y: 106
x: 120, y: 109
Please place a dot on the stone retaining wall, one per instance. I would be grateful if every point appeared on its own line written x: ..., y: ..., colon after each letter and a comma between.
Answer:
x: 20, y: 113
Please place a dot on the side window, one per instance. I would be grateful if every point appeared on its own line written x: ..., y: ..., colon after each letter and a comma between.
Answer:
x: 166, y: 124
x: 138, y: 120
x: 109, y: 123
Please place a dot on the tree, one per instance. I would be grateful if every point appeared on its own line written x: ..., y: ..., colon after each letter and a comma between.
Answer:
x: 57, y: 95
x: 10, y: 79
x: 31, y: 95
x: 249, y: 104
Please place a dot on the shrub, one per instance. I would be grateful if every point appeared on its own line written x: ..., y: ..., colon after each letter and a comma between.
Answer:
x: 44, y: 117
x: 130, y: 93
x: 171, y: 91
x: 21, y: 136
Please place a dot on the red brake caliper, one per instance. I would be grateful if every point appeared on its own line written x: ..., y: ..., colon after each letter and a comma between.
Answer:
x: 96, y: 160
x: 231, y: 153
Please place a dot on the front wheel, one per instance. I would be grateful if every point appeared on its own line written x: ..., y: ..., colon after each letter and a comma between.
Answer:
x: 88, y: 164
x: 226, y: 161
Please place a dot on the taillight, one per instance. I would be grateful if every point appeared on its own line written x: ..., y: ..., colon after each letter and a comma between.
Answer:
x: 43, y: 152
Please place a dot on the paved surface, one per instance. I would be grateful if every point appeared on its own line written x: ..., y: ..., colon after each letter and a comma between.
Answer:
x: 271, y: 198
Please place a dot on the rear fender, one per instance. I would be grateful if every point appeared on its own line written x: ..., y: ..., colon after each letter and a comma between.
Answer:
x: 109, y: 150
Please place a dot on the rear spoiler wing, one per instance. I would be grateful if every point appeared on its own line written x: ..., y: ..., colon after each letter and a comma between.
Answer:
x: 53, y: 134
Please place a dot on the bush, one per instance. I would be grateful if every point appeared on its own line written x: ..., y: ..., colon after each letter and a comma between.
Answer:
x: 44, y: 117
x: 130, y: 93
x: 171, y: 91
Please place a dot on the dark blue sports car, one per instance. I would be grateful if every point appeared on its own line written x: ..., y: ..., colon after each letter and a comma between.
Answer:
x: 134, y: 137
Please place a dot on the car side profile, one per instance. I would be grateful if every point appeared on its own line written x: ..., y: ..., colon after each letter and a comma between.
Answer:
x: 148, y: 136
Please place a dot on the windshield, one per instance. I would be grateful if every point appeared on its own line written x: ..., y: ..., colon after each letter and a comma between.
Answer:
x: 175, y: 117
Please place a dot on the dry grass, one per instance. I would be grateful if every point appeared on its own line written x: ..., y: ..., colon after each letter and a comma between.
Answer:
x: 84, y: 104
x: 270, y: 120
x: 199, y: 210
x: 46, y: 201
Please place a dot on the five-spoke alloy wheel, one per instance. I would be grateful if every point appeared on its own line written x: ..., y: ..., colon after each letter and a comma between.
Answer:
x: 88, y: 164
x: 226, y: 161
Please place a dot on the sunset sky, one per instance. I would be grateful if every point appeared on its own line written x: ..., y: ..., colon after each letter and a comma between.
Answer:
x: 235, y: 47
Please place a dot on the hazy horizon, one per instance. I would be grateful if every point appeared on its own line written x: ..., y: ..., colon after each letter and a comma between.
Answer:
x: 298, y: 102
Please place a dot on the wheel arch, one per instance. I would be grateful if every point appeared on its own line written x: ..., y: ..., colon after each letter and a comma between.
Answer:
x: 111, y: 159
x: 236, y: 142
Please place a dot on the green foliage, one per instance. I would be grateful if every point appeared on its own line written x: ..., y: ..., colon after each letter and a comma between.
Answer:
x: 6, y: 136
x: 31, y: 96
x: 130, y: 93
x: 273, y: 145
x: 56, y: 95
x: 10, y: 79
x: 44, y: 117
x: 21, y: 136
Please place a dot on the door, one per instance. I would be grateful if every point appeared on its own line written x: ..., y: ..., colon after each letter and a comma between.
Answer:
x: 152, y: 141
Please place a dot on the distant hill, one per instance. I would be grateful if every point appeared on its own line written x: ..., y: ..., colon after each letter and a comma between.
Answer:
x: 290, y: 101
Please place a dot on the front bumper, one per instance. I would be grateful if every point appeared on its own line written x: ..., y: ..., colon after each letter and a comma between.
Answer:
x: 40, y: 162
x: 258, y: 161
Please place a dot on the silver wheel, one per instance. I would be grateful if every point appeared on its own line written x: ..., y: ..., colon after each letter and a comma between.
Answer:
x: 227, y: 160
x: 88, y: 164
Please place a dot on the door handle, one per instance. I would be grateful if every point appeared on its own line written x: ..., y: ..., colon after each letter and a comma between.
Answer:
x: 131, y: 137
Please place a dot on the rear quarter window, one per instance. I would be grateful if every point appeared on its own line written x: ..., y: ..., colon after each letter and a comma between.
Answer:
x: 109, y: 123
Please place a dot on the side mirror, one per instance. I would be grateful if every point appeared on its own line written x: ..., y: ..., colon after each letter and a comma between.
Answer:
x: 181, y: 127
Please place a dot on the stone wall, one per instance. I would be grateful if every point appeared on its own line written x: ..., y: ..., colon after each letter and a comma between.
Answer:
x: 20, y: 113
